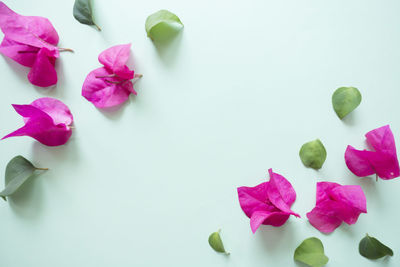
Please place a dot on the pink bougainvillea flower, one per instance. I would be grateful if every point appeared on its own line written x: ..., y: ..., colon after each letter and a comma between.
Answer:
x: 268, y: 203
x: 32, y: 42
x: 110, y: 85
x: 336, y: 204
x: 47, y: 120
x: 382, y: 160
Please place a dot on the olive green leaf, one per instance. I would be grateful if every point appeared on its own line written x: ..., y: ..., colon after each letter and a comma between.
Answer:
x: 345, y: 100
x: 371, y: 248
x: 162, y: 25
x: 311, y: 252
x: 216, y: 243
x: 83, y: 12
x: 313, y: 154
x: 18, y: 171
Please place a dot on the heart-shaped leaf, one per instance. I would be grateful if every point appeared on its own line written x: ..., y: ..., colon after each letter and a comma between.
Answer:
x: 83, y: 12
x: 18, y: 171
x: 311, y: 252
x: 162, y: 25
x: 313, y: 154
x: 345, y: 100
x: 216, y: 243
x: 372, y: 248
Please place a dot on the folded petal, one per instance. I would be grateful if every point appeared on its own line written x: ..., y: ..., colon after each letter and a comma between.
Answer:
x: 281, y: 193
x: 381, y: 139
x: 29, y: 30
x: 43, y: 73
x: 56, y: 109
x: 21, y: 53
x: 324, y: 218
x: 105, y: 92
x: 255, y: 198
x: 324, y: 189
x: 386, y: 166
x: 358, y: 161
x: 267, y: 218
x: 353, y: 202
x: 40, y: 126
x: 114, y: 59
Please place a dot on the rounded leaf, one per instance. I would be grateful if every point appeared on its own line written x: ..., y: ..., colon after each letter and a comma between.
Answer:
x: 216, y: 243
x: 313, y: 154
x: 311, y: 252
x: 162, y: 25
x: 345, y: 100
x: 373, y: 249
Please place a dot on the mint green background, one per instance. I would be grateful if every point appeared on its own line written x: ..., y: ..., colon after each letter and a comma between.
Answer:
x: 239, y: 91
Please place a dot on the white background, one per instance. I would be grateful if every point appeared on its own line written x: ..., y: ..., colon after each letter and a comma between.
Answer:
x: 243, y: 86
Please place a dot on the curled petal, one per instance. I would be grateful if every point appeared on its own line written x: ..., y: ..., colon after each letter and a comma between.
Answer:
x: 105, y: 92
x: 254, y: 198
x: 267, y: 218
x: 21, y: 53
x: 56, y: 109
x: 43, y: 73
x: 357, y: 161
x: 114, y: 59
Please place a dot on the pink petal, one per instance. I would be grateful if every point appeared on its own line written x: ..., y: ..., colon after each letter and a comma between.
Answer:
x: 324, y: 189
x: 29, y: 30
x: 104, y: 94
x: 43, y: 73
x: 12, y: 49
x: 323, y: 218
x: 56, y: 109
x: 267, y: 218
x: 386, y: 166
x: 357, y: 161
x: 40, y: 126
x: 353, y: 198
x: 255, y: 198
x: 115, y: 58
x: 281, y: 193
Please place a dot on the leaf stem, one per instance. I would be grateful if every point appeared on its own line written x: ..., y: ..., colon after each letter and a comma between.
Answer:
x: 41, y: 169
x: 376, y: 177
x: 97, y: 26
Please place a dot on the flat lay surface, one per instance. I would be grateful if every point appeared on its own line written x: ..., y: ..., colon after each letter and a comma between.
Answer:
x: 238, y: 91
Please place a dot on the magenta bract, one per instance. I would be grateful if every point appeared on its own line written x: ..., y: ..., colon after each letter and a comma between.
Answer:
x: 381, y: 160
x: 110, y: 85
x: 268, y: 203
x: 32, y: 42
x: 47, y: 120
x: 336, y: 204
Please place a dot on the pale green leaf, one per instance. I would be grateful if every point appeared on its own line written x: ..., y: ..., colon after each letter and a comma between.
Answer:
x: 372, y: 248
x: 345, y: 100
x: 162, y: 25
x: 313, y: 154
x: 216, y: 243
x: 311, y: 252
x: 18, y: 171
x: 83, y: 12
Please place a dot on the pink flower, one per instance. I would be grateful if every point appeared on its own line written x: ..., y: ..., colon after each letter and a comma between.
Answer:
x: 110, y: 85
x: 336, y: 204
x: 32, y: 42
x: 268, y: 203
x: 382, y: 160
x: 47, y: 120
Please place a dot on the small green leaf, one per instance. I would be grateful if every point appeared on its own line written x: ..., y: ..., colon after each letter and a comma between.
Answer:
x: 313, y: 154
x: 345, y: 100
x: 162, y: 25
x: 83, y: 12
x: 18, y: 171
x: 371, y: 248
x: 311, y: 252
x: 216, y: 243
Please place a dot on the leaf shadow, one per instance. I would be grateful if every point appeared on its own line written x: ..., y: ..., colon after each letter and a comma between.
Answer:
x: 350, y: 119
x: 168, y: 49
x: 27, y: 202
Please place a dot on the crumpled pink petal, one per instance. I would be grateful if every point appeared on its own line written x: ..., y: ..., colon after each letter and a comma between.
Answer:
x: 336, y: 204
x: 43, y: 72
x: 47, y: 120
x: 30, y: 30
x: 382, y: 160
x: 115, y: 58
x: 32, y: 42
x: 110, y: 85
x: 268, y: 203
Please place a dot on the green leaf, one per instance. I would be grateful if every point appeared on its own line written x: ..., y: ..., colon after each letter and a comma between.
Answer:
x: 313, y: 154
x: 311, y: 252
x: 371, y: 248
x: 162, y: 25
x: 345, y: 100
x: 18, y: 171
x: 216, y: 243
x: 83, y: 12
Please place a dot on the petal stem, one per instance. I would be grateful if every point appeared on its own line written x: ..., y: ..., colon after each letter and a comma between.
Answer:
x: 60, y: 49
